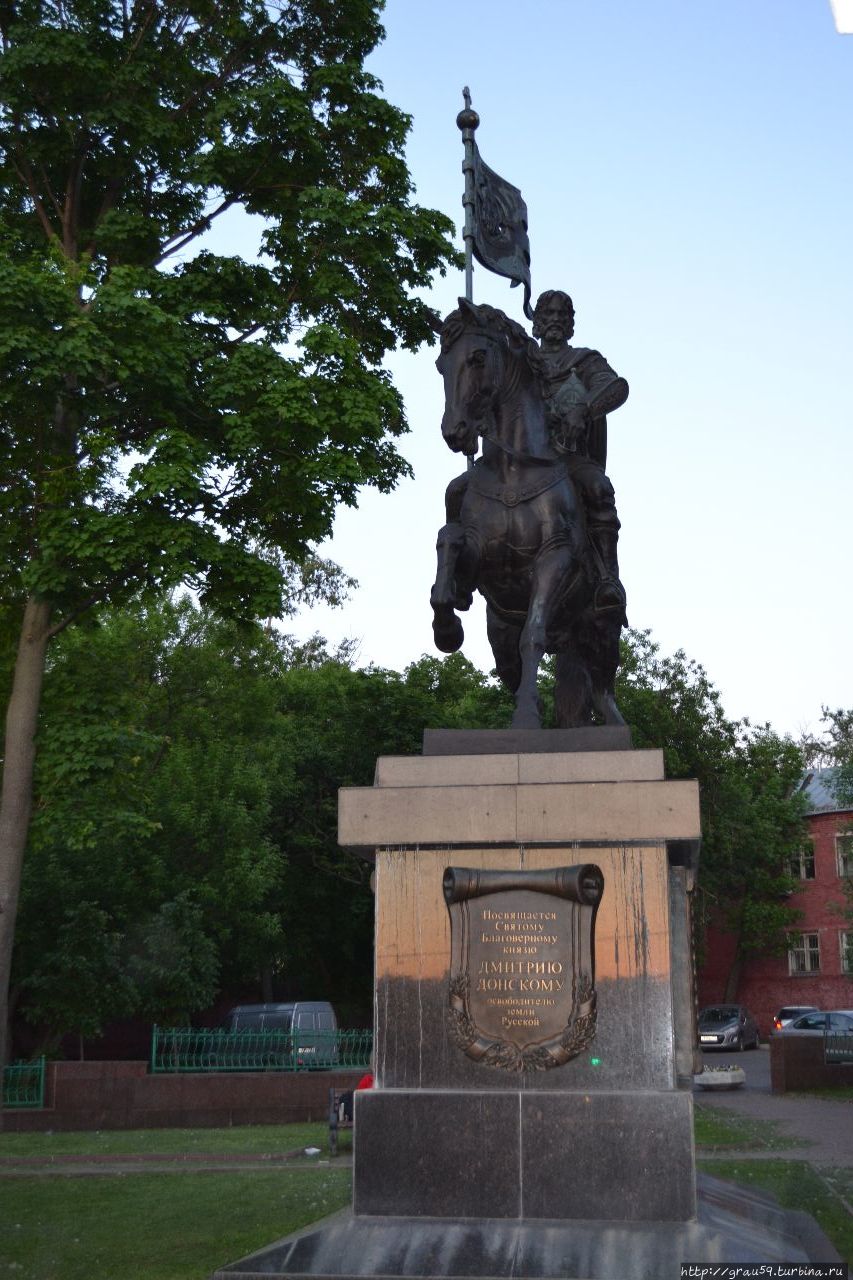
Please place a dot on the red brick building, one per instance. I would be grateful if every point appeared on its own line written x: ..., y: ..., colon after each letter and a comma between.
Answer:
x: 818, y: 967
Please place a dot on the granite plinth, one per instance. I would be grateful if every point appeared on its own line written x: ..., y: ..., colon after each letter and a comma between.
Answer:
x: 624, y: 1156
x: 633, y: 1046
x: 469, y: 742
x: 733, y: 1225
x: 510, y: 768
x: 523, y: 813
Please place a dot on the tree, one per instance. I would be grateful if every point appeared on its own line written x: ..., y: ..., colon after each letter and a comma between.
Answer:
x: 833, y: 749
x: 185, y: 833
x: 150, y: 871
x: 341, y: 719
x: 752, y: 810
x: 169, y: 414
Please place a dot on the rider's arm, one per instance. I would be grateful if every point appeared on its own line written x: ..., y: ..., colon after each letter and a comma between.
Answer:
x: 606, y: 390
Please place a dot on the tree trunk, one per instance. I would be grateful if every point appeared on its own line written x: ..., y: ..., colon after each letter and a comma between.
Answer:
x: 17, y: 795
x: 733, y: 980
x: 266, y: 984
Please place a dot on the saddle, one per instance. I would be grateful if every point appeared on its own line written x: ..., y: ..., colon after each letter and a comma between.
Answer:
x: 542, y: 475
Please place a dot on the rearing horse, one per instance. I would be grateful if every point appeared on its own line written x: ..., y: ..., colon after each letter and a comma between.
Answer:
x: 515, y: 529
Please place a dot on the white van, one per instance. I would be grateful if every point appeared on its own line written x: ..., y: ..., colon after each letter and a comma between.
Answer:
x: 312, y: 1022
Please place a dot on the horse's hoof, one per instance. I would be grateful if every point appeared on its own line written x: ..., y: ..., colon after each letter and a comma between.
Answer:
x: 609, y: 594
x: 448, y: 633
x: 526, y: 718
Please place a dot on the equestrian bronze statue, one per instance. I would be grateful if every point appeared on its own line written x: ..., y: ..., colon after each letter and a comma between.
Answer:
x: 532, y: 525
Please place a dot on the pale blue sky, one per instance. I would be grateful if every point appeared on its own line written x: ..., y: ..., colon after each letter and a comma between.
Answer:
x: 688, y: 172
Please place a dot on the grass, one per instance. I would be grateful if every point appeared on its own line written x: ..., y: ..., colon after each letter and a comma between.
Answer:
x: 796, y: 1185
x: 177, y: 1226
x: 714, y: 1130
x: 241, y: 1139
x: 838, y: 1093
x: 717, y: 1130
x: 182, y: 1225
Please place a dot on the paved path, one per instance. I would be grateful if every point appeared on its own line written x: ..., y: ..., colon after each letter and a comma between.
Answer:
x: 824, y: 1127
x: 83, y: 1166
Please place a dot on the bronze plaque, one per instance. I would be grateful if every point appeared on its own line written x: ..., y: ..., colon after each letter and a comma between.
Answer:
x: 522, y: 971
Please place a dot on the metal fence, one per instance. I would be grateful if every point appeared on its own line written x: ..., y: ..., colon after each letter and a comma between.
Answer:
x: 23, y: 1084
x: 191, y: 1049
x: 838, y: 1046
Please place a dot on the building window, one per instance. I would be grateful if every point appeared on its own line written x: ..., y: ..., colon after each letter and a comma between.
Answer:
x: 845, y: 937
x: 801, y: 863
x: 844, y: 853
x: 803, y: 953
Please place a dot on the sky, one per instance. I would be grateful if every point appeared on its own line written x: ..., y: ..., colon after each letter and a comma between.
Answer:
x: 688, y: 171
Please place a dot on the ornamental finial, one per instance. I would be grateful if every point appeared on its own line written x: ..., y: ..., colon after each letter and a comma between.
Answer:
x: 467, y: 118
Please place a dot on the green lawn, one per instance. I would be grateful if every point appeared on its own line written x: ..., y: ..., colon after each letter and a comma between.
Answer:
x: 244, y: 1139
x: 716, y: 1130
x: 797, y: 1185
x: 713, y: 1130
x: 181, y: 1225
x: 838, y: 1093
x: 176, y: 1226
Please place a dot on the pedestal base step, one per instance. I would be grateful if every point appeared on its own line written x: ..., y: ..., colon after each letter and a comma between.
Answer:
x: 734, y: 1225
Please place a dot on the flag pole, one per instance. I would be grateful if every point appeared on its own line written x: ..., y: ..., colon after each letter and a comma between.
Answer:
x: 467, y: 121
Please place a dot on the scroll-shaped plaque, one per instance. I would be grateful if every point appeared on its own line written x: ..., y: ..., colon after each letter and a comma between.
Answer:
x: 522, y: 972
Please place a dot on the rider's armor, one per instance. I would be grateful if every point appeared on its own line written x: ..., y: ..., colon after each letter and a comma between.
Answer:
x: 580, y: 388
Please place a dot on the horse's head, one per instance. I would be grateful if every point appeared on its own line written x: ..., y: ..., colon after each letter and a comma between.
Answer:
x: 476, y: 342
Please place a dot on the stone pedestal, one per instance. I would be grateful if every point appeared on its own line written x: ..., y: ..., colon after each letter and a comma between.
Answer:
x: 534, y: 1051
x: 606, y: 1135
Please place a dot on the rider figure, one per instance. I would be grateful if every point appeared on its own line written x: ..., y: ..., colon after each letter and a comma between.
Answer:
x: 580, y: 388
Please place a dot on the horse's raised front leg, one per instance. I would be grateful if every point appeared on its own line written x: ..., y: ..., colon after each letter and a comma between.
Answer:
x: 549, y: 575
x: 452, y: 588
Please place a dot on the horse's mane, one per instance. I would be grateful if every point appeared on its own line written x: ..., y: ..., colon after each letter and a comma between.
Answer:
x: 490, y: 320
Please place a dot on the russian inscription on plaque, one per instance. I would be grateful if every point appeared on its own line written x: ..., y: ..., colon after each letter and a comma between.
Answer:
x: 522, y: 972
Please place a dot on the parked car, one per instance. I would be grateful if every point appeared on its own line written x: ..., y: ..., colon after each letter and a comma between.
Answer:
x: 789, y: 1012
x: 727, y: 1026
x: 822, y: 1020
x: 312, y: 1024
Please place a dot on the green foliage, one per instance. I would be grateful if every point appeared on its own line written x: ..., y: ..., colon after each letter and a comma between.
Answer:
x: 833, y: 749
x: 752, y: 812
x: 154, y: 395
x: 170, y: 414
x: 185, y: 838
x: 149, y: 861
x: 185, y: 835
x: 340, y: 720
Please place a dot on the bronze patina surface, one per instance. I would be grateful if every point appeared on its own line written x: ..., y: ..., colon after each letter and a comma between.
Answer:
x: 522, y: 978
x: 532, y: 524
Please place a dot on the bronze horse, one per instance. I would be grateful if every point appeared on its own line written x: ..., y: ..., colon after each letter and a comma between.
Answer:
x: 515, y: 529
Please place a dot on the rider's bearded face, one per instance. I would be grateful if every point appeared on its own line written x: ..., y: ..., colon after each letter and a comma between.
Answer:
x: 553, y: 321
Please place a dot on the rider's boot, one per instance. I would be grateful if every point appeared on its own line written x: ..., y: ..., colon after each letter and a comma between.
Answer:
x: 609, y: 592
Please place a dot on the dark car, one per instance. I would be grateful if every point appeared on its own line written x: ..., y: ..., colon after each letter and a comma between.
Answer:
x: 727, y: 1026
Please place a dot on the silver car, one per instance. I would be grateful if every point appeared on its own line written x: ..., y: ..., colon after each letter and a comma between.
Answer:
x: 727, y: 1026
x: 815, y: 1024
